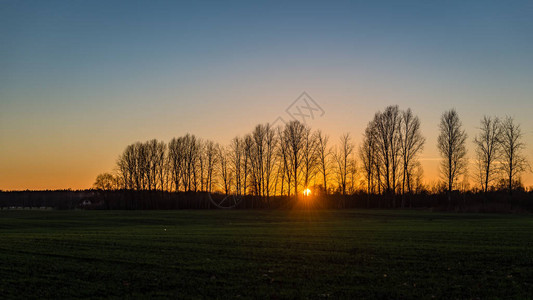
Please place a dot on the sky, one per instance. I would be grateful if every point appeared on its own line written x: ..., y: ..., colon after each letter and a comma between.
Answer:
x: 80, y: 80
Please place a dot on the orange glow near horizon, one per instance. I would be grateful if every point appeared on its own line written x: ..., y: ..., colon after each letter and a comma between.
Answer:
x: 307, y: 192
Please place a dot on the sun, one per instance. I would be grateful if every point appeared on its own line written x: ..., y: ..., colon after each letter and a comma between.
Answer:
x: 307, y: 192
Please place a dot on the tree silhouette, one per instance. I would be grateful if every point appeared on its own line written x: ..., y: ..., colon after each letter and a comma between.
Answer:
x: 263, y: 145
x: 323, y: 157
x: 293, y: 140
x: 237, y: 157
x: 487, y: 147
x: 176, y: 158
x: 513, y: 160
x: 271, y: 144
x: 248, y: 147
x: 368, y: 153
x: 212, y: 160
x: 342, y: 159
x: 451, y: 145
x: 106, y: 182
x: 388, y: 144
x: 284, y: 157
x: 309, y: 157
x: 280, y: 161
x: 225, y: 169
x: 412, y: 142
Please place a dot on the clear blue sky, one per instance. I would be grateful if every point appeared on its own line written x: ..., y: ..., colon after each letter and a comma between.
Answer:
x: 79, y: 80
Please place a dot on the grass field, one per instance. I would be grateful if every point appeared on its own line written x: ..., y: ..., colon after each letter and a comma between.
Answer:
x: 264, y: 254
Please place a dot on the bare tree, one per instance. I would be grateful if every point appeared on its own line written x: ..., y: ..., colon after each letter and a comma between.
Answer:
x: 513, y: 161
x: 237, y: 155
x: 106, y: 182
x: 451, y: 145
x: 412, y: 142
x: 309, y: 157
x: 284, y: 168
x: 155, y: 163
x: 191, y: 148
x: 211, y: 161
x: 202, y: 165
x: 132, y: 166
x: 293, y: 142
x: 368, y: 156
x: 279, y: 180
x: 342, y: 158
x: 126, y: 167
x: 257, y: 159
x: 271, y: 143
x: 248, y: 145
x: 149, y: 159
x: 162, y: 165
x: 225, y: 169
x: 487, y: 145
x: 142, y: 174
x: 388, y: 142
x: 176, y: 159
x: 352, y: 175
x: 416, y: 178
x: 323, y: 153
x: 260, y: 154
x: 142, y: 166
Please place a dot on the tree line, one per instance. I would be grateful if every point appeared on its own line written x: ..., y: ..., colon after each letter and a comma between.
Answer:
x: 289, y: 159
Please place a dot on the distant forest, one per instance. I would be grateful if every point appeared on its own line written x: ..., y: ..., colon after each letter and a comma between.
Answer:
x: 271, y: 165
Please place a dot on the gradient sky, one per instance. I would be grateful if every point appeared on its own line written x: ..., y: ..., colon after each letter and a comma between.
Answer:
x: 80, y: 80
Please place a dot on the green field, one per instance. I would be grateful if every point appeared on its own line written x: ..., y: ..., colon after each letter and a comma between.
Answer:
x: 264, y: 254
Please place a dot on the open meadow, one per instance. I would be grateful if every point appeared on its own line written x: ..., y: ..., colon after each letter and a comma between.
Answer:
x: 264, y: 254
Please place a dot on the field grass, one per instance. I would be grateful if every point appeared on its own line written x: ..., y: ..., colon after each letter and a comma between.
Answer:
x: 264, y: 254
